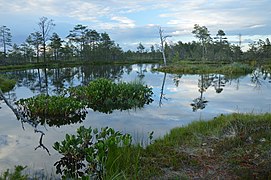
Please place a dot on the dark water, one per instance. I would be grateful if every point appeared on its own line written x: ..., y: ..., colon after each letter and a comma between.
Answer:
x: 184, y: 98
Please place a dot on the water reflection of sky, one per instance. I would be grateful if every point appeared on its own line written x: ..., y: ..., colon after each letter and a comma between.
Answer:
x: 238, y: 95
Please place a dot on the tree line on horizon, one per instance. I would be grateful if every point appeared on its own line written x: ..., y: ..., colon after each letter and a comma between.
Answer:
x: 217, y: 48
x: 83, y: 43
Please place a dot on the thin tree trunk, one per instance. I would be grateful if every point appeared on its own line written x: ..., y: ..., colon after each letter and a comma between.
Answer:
x: 162, y: 45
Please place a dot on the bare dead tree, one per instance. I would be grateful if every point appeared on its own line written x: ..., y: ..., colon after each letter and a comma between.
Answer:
x: 163, y: 41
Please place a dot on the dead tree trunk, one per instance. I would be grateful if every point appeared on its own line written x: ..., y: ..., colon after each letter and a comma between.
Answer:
x: 162, y: 45
x: 163, y: 40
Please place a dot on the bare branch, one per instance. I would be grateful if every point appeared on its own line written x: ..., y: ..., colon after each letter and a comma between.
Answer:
x: 41, y: 145
x: 24, y: 120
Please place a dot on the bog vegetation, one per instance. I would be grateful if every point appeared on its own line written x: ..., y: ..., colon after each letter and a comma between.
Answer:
x: 101, y: 95
x: 6, y: 84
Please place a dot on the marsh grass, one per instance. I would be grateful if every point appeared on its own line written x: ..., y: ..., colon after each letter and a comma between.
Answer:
x: 207, y: 67
x: 233, y: 146
x: 17, y: 173
x: 6, y: 84
x: 124, y: 163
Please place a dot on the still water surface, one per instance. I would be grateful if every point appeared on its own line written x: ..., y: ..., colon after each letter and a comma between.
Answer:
x: 178, y: 100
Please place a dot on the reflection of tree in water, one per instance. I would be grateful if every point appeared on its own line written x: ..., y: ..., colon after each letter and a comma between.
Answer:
x: 55, y: 80
x: 219, y: 82
x: 62, y: 75
x: 177, y: 79
x: 141, y: 71
x: 204, y: 83
x: 128, y: 69
x: 162, y: 95
x: 259, y: 77
x: 40, y: 80
x: 34, y: 79
x: 113, y: 72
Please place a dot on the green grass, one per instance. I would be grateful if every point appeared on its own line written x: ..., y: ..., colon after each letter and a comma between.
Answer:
x: 186, y: 67
x: 234, y: 146
x: 6, y: 84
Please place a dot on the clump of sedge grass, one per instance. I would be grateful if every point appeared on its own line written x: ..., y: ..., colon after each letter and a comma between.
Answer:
x: 6, y: 84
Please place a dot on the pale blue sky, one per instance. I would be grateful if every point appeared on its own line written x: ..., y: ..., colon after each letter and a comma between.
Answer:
x: 130, y: 22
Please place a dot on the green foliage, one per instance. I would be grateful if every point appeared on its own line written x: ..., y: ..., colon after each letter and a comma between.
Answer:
x: 54, y: 110
x: 6, y: 84
x: 102, y: 95
x: 204, y: 68
x: 16, y: 175
x: 105, y: 96
x: 237, y: 68
x: 85, y: 155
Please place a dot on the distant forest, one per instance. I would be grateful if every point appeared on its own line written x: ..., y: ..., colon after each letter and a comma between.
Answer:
x: 85, y: 44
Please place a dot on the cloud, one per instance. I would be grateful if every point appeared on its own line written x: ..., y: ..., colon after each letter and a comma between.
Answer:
x: 137, y: 21
x: 124, y: 21
x: 257, y: 26
x: 226, y: 14
x: 178, y: 33
x: 85, y: 11
x: 33, y: 7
